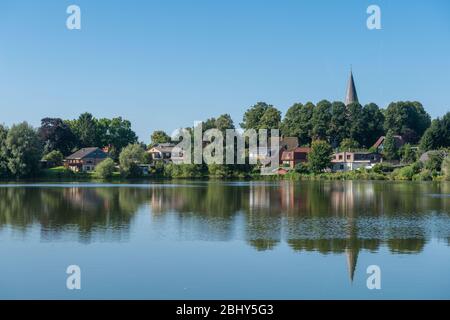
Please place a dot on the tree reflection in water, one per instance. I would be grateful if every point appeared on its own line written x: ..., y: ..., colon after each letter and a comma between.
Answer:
x: 328, y: 217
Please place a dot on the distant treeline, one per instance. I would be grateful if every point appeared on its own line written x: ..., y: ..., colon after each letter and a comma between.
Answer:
x: 353, y: 126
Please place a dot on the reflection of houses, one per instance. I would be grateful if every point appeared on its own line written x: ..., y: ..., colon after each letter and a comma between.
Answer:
x: 347, y: 161
x: 85, y: 160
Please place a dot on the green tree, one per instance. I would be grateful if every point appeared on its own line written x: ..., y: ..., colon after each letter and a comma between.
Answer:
x: 319, y: 158
x: 57, y: 135
x: 321, y: 120
x: 356, y: 123
x: 408, y: 119
x: 373, y: 124
x: 434, y: 162
x: 437, y: 135
x: 105, y: 169
x: 224, y: 122
x: 86, y: 131
x: 56, y: 157
x: 24, y: 150
x: 297, y: 122
x: 252, y: 117
x: 390, y: 150
x: 339, y: 126
x: 407, y: 154
x: 129, y: 160
x: 445, y: 168
x: 159, y: 136
x: 271, y: 119
x: 348, y: 145
x: 117, y: 134
x: 3, y: 152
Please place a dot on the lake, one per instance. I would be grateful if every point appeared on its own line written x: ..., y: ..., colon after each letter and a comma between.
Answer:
x: 225, y: 240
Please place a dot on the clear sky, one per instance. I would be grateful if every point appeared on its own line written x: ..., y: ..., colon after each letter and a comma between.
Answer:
x: 164, y: 64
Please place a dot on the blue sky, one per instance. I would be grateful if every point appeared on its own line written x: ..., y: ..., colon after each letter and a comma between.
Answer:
x: 164, y: 64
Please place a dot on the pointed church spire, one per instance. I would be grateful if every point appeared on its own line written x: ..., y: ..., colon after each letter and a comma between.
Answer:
x: 351, y: 95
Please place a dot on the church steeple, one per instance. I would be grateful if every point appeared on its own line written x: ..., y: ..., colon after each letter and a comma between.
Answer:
x: 351, y: 95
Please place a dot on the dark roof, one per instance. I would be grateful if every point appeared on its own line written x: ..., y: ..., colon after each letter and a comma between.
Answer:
x: 351, y: 95
x: 164, y: 147
x: 398, y: 141
x: 93, y: 152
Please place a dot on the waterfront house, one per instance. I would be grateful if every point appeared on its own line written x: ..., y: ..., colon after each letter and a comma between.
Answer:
x: 348, y: 161
x: 290, y: 158
x: 263, y: 154
x: 162, y: 151
x: 85, y: 159
x: 379, y: 144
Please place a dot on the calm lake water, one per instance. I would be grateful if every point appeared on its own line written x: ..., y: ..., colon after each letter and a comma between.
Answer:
x: 230, y: 240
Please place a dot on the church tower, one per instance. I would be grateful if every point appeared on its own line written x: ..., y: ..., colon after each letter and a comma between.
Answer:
x: 351, y: 95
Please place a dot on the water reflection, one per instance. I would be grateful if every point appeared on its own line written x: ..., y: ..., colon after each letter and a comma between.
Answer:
x: 328, y: 217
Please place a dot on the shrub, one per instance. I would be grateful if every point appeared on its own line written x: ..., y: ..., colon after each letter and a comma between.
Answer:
x: 55, y: 157
x: 130, y: 158
x: 383, y: 167
x: 424, y: 175
x: 406, y: 173
x: 445, y: 168
x: 301, y: 168
x: 105, y: 169
x: 435, y: 160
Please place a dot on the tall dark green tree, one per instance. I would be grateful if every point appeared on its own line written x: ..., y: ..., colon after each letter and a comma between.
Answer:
x: 373, y: 120
x: 298, y: 122
x: 24, y: 150
x: 408, y: 119
x: 437, y: 135
x: 118, y: 135
x: 390, y: 150
x: 356, y: 123
x: 319, y: 158
x: 271, y: 119
x: 321, y: 120
x: 57, y: 135
x: 3, y: 152
x: 252, y: 117
x: 86, y: 130
x: 224, y: 122
x: 339, y: 125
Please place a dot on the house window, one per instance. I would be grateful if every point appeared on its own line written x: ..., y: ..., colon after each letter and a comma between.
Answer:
x: 340, y: 157
x: 349, y: 157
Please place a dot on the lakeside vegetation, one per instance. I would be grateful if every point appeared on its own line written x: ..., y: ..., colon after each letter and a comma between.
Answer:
x: 326, y: 127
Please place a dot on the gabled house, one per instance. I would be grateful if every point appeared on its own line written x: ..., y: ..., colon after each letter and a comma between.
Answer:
x: 290, y: 158
x: 263, y: 154
x: 167, y: 152
x: 379, y: 144
x: 348, y: 161
x: 85, y: 159
x: 161, y: 151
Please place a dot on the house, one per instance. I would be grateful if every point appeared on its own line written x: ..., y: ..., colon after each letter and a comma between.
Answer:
x: 290, y: 158
x: 85, y: 159
x: 348, y: 161
x: 162, y: 151
x: 379, y: 144
x: 263, y: 154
